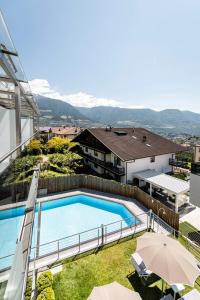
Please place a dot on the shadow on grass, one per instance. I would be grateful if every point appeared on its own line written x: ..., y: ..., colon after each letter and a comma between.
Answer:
x: 142, y: 287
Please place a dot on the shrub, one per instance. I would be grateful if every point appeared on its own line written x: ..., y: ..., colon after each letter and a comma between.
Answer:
x: 34, y: 147
x: 48, y: 174
x: 182, y: 176
x: 59, y: 145
x: 44, y: 281
x: 20, y: 169
x: 28, y: 289
x: 46, y: 294
x: 69, y: 159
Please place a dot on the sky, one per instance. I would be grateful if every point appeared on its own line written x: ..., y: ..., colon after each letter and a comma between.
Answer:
x: 127, y: 53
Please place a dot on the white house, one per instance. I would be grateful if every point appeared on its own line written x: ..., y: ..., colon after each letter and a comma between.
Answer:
x: 121, y: 152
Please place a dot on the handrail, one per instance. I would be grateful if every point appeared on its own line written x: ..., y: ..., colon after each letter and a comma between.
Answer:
x: 92, y: 229
x: 23, y: 246
x: 2, y: 158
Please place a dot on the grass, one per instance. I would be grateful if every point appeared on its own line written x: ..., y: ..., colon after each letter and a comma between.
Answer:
x: 79, y: 276
x: 186, y: 228
x: 112, y: 263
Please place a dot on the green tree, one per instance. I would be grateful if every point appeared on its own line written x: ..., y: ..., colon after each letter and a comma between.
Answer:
x: 60, y: 145
x: 34, y: 147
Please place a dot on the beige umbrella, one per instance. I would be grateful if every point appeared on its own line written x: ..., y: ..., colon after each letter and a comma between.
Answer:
x: 167, y: 258
x: 113, y: 291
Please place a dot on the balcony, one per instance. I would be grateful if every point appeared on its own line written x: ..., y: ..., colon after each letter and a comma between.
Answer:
x: 178, y: 163
x: 105, y: 165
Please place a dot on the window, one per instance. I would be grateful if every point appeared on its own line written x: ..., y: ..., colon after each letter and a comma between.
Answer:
x: 86, y: 149
x: 152, y: 159
x: 96, y: 166
x: 95, y: 153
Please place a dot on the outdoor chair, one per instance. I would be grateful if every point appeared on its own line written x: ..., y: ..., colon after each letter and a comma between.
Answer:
x: 139, y: 266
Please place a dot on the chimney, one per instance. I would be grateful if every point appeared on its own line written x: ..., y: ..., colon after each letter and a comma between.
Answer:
x: 144, y: 138
x: 108, y: 128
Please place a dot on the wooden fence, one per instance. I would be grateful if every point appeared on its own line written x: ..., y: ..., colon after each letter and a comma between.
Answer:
x: 65, y: 183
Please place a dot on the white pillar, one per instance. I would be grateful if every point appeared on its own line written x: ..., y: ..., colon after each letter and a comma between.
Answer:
x: 176, y: 203
x: 18, y: 117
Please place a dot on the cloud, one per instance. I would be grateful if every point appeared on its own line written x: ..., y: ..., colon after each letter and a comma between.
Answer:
x: 42, y: 87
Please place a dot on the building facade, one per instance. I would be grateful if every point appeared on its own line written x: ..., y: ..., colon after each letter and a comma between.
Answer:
x: 118, y: 153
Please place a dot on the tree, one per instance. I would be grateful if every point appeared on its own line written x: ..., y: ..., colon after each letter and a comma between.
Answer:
x: 60, y: 145
x: 34, y: 147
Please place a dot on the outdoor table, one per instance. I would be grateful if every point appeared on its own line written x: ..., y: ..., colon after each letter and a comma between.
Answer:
x: 177, y: 287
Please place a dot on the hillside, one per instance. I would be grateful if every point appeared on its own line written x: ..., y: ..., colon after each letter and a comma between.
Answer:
x: 169, y: 120
x: 56, y: 112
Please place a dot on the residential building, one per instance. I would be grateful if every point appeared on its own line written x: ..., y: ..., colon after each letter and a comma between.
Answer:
x: 62, y: 131
x: 121, y: 152
x: 18, y: 109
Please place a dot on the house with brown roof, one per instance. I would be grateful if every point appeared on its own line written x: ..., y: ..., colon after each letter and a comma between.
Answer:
x: 118, y: 153
x: 62, y: 131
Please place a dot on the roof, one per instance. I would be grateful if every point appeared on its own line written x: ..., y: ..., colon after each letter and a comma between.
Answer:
x: 66, y: 130
x: 136, y: 143
x: 62, y: 130
x: 172, y: 184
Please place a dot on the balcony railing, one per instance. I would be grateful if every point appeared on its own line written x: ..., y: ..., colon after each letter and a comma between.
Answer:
x: 104, y: 164
x: 178, y: 163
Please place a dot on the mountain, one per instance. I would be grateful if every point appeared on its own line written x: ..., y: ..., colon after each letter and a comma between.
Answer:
x: 57, y: 112
x: 169, y: 120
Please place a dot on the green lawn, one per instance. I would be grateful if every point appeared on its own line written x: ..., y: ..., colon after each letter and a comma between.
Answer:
x: 78, y: 277
x: 187, y: 229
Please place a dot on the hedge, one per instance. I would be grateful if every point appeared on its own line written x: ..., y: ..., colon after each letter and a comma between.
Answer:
x: 46, y: 294
x: 44, y: 281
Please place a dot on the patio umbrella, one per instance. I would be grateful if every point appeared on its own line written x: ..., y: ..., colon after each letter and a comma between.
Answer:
x: 113, y: 291
x: 167, y: 258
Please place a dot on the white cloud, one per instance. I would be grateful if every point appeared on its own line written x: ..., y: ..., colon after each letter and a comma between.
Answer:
x: 42, y: 87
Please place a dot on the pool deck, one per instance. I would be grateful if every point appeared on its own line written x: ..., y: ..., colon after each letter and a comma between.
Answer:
x: 131, y: 204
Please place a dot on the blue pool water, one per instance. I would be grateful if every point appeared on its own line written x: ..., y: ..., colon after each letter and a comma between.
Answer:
x: 71, y: 215
x: 10, y: 225
x: 62, y: 218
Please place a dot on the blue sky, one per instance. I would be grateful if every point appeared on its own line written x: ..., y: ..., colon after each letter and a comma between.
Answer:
x: 131, y: 53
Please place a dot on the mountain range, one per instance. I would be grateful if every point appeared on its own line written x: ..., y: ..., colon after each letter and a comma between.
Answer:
x: 170, y: 121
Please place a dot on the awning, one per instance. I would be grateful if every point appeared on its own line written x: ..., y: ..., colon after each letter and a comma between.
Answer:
x: 164, y: 181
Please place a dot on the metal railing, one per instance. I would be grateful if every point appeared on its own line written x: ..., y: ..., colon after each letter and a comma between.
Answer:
x: 104, y: 164
x: 98, y: 236
x: 23, y: 246
x: 5, y: 156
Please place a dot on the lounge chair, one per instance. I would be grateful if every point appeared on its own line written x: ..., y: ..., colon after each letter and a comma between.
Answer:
x: 192, y: 295
x: 139, y: 266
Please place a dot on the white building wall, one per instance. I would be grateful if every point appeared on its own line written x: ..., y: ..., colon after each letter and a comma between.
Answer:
x: 195, y: 189
x: 7, y: 134
x: 26, y: 128
x: 161, y: 164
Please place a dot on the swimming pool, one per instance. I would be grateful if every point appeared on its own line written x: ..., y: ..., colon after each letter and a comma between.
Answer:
x: 10, y: 225
x: 63, y: 219
x: 66, y: 217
